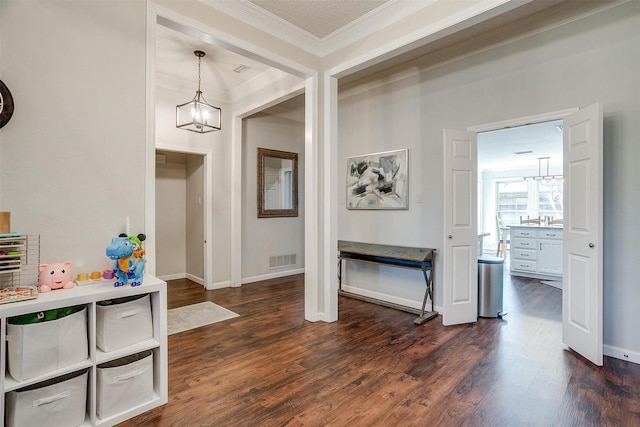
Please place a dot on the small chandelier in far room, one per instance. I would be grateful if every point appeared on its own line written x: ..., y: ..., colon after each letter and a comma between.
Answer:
x: 197, y: 115
x: 540, y: 175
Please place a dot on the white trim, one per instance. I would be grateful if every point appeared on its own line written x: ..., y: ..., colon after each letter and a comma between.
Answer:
x: 621, y: 353
x: 330, y: 202
x: 236, y: 200
x: 523, y: 121
x: 388, y: 298
x: 219, y: 285
x: 216, y: 37
x: 383, y: 16
x: 387, y: 14
x: 198, y: 280
x: 268, y: 22
x: 268, y: 276
x: 311, y: 194
x: 150, y: 148
x: 466, y: 18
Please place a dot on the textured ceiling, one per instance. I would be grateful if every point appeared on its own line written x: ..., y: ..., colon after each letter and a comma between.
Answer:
x: 319, y: 17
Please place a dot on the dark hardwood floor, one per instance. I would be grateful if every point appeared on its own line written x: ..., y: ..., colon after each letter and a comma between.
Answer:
x: 374, y: 367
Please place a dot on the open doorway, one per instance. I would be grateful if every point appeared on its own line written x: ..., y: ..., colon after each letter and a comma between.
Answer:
x: 520, y: 210
x: 180, y: 216
x: 581, y: 236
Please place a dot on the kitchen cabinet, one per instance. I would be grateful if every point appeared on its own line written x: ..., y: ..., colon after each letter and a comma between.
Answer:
x: 536, y: 252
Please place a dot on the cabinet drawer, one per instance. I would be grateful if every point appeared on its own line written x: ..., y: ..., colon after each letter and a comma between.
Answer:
x: 522, y: 265
x: 524, y: 254
x: 550, y: 234
x: 524, y: 232
x: 523, y: 243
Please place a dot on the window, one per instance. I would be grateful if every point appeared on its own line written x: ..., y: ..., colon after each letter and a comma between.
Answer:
x: 550, y: 198
x: 512, y: 201
x: 518, y: 198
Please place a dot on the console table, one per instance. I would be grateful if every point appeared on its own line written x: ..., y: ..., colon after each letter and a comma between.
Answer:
x: 399, y: 256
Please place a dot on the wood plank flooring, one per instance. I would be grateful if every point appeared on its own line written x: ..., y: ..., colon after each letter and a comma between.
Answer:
x: 374, y: 367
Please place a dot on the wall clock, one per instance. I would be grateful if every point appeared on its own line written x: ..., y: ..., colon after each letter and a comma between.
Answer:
x: 6, y: 104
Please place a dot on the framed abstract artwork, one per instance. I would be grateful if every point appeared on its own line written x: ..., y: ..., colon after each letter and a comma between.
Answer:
x: 378, y: 180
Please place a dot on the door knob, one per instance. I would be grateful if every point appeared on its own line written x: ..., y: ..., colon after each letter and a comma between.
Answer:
x: 450, y: 236
x: 591, y: 245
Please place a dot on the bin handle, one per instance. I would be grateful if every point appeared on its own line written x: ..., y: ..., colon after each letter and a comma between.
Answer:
x: 127, y: 376
x: 50, y: 399
x: 129, y: 313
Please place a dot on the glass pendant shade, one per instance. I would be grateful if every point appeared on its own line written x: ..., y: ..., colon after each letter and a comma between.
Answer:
x: 198, y: 115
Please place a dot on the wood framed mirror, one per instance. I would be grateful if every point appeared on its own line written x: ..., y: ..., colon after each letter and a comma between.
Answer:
x: 277, y: 183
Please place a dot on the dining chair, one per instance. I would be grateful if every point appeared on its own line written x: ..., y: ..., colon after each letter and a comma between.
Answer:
x: 530, y: 220
x: 503, y: 236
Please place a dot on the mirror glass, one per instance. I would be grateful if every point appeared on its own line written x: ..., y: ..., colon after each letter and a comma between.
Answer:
x: 277, y: 183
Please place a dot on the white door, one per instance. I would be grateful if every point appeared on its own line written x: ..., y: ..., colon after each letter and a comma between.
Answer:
x: 582, y: 253
x: 272, y: 189
x: 460, y: 263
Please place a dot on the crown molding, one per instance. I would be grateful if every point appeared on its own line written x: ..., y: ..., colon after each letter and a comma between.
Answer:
x: 261, y: 19
x: 373, y: 21
x: 387, y: 14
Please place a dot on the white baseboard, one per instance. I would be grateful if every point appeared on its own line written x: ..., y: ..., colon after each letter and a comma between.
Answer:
x: 198, y: 280
x: 176, y: 276
x: 272, y: 275
x: 219, y: 285
x: 390, y: 298
x: 620, y: 353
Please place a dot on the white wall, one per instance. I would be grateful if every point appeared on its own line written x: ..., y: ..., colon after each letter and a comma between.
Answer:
x: 593, y: 59
x: 171, y: 189
x: 73, y: 155
x: 264, y: 237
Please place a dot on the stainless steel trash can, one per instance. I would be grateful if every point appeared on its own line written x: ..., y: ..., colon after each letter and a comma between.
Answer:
x: 490, y: 291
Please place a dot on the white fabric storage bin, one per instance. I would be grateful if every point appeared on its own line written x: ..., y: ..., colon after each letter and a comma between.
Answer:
x: 124, y: 383
x: 56, y: 403
x: 40, y: 348
x: 122, y: 322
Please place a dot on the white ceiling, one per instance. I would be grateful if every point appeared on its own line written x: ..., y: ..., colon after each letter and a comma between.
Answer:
x: 497, y: 149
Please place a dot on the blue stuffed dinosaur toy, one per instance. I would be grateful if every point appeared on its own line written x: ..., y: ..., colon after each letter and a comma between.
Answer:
x: 128, y: 254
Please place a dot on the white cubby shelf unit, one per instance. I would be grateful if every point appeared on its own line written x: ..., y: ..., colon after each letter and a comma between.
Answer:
x: 89, y: 296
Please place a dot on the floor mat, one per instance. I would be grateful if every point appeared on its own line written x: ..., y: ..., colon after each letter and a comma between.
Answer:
x: 195, y: 315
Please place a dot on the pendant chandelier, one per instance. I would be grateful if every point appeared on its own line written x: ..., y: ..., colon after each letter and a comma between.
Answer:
x: 540, y: 176
x: 198, y: 115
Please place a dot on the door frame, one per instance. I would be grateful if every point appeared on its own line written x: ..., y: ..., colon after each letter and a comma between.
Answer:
x: 521, y: 121
x: 206, y: 202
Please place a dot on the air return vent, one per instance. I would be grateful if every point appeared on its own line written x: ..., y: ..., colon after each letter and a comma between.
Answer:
x: 279, y: 261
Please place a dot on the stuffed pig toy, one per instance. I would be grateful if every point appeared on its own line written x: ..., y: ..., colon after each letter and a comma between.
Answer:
x: 55, y: 276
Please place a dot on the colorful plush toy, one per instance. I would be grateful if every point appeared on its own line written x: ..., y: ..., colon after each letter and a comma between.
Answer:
x: 128, y: 254
x: 55, y: 276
